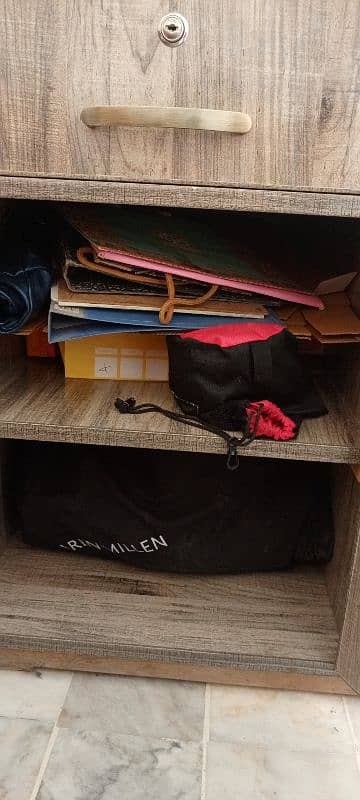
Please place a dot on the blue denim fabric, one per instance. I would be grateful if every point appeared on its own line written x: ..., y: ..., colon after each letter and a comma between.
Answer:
x: 25, y: 276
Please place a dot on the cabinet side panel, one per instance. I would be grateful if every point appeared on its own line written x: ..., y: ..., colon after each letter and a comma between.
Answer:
x: 346, y: 514
x: 348, y: 595
x: 3, y: 527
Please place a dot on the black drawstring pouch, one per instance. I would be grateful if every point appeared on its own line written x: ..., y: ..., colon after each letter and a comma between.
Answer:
x: 213, y: 371
x: 243, y: 377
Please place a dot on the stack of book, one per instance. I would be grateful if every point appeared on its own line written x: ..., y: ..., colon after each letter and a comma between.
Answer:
x: 137, y: 270
x: 121, y: 266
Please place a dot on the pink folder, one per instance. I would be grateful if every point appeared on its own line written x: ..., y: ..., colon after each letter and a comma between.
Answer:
x: 304, y: 298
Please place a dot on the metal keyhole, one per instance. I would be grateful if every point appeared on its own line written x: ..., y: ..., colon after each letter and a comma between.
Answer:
x: 173, y: 29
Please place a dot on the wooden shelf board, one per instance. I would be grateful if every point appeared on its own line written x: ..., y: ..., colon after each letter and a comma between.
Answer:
x: 36, y: 402
x: 234, y: 198
x: 83, y: 606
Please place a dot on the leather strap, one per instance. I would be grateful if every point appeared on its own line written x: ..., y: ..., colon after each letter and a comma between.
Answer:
x: 166, y: 312
x: 83, y: 254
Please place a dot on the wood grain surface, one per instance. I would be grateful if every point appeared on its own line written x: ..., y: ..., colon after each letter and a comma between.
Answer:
x: 89, y: 606
x: 338, y: 573
x: 36, y: 402
x: 3, y: 528
x: 53, y: 55
x: 180, y: 196
x: 348, y: 662
x: 292, y: 66
x: 327, y: 682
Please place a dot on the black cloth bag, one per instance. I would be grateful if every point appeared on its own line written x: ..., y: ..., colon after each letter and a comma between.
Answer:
x: 213, y: 371
x: 178, y: 512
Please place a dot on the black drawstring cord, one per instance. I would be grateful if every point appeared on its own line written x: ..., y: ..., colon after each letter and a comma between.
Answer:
x: 233, y: 442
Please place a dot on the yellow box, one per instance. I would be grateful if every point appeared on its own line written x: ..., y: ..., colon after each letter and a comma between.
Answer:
x: 117, y: 356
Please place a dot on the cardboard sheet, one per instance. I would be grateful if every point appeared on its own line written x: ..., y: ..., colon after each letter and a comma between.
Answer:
x: 335, y: 321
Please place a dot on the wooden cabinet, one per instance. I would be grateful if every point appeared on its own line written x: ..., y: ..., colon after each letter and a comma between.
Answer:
x: 292, y: 65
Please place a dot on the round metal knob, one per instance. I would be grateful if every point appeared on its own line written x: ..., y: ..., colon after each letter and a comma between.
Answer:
x: 173, y: 29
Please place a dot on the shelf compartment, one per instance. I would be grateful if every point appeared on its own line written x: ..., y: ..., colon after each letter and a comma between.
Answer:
x: 37, y: 402
x: 84, y: 606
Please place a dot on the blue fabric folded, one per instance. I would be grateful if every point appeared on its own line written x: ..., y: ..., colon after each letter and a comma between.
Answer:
x: 25, y: 273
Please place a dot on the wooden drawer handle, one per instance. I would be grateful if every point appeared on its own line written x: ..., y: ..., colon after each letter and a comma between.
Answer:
x: 206, y: 119
x: 356, y: 470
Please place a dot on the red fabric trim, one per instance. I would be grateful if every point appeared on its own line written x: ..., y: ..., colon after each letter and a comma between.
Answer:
x: 230, y: 335
x: 272, y: 422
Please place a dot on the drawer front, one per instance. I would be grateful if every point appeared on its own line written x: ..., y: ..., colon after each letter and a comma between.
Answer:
x: 292, y: 65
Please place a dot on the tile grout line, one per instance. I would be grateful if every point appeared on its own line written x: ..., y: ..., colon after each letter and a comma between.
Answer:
x: 354, y: 738
x: 44, y: 762
x: 49, y: 746
x: 205, y: 739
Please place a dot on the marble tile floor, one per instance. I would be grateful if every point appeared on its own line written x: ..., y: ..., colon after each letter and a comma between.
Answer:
x: 97, y: 737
